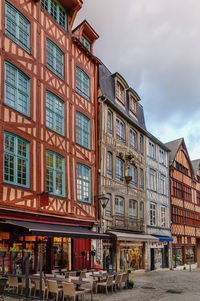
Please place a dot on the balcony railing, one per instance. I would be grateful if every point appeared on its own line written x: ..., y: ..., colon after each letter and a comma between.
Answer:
x: 127, y: 223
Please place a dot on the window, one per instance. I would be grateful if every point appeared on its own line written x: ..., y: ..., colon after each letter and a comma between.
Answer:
x: 55, y: 173
x: 181, y: 168
x: 133, y: 174
x: 83, y: 183
x: 133, y: 139
x: 141, y: 210
x: 16, y: 160
x: 198, y: 197
x: 120, y: 93
x: 177, y: 189
x: 86, y: 43
x: 133, y: 105
x: 55, y: 59
x: 152, y: 180
x: 109, y: 164
x: 119, y: 169
x: 163, y: 217
x: 133, y: 208
x: 17, y: 27
x: 82, y: 83
x: 110, y: 123
x: 108, y: 206
x: 141, y: 145
x: 54, y: 113
x: 141, y: 178
x: 82, y: 130
x: 162, y: 184
x: 17, y: 89
x: 120, y: 130
x: 152, y: 214
x: 152, y: 151
x: 56, y: 11
x: 162, y: 159
x: 119, y: 206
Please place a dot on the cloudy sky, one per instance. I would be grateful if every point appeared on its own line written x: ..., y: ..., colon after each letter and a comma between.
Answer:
x: 155, y: 45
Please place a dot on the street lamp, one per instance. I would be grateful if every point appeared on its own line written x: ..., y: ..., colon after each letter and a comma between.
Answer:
x: 103, y: 199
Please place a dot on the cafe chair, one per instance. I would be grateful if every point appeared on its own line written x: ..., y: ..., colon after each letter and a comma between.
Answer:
x: 14, y: 283
x: 124, y: 280
x: 69, y: 291
x: 88, y: 287
x: 55, y: 272
x: 52, y: 287
x: 3, y: 282
x: 60, y: 276
x: 106, y: 284
x: 31, y: 286
x: 72, y: 273
x: 37, y: 287
x: 82, y: 274
x: 49, y: 275
x: 117, y: 281
x: 73, y: 278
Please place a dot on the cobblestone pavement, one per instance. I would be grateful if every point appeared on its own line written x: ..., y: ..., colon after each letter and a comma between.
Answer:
x: 158, y: 286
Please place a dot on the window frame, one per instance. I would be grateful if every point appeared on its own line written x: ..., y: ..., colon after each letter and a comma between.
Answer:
x: 82, y: 131
x: 16, y: 157
x: 162, y: 184
x: 120, y: 205
x: 120, y: 129
x: 54, y: 173
x: 109, y: 164
x: 86, y: 43
x: 141, y: 144
x: 133, y: 181
x: 152, y: 150
x: 134, y: 209
x: 119, y: 176
x: 152, y: 175
x: 109, y: 205
x: 16, y: 38
x: 120, y: 93
x: 16, y: 89
x: 55, y: 60
x: 56, y: 98
x: 133, y: 105
x: 133, y: 139
x: 141, y: 178
x: 163, y: 217
x: 152, y: 214
x: 58, y: 8
x: 110, y: 123
x: 80, y: 90
x: 83, y: 166
x: 141, y: 210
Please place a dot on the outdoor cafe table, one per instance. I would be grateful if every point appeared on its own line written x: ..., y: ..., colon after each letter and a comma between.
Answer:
x: 59, y: 280
x: 103, y: 275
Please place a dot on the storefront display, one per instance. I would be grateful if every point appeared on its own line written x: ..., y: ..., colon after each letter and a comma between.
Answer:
x: 177, y: 256
x: 158, y: 254
x: 131, y: 256
x: 189, y: 255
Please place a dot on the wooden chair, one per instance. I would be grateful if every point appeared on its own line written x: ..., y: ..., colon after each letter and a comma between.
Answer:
x: 117, y: 281
x: 69, y: 291
x: 124, y: 280
x: 52, y: 287
x: 37, y: 287
x: 31, y: 285
x: 14, y: 283
x: 88, y: 287
x: 106, y: 284
x: 3, y: 282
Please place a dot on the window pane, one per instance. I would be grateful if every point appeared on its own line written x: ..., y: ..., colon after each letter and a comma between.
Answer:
x: 82, y: 130
x: 83, y: 183
x: 55, y: 59
x: 54, y: 113
x: 82, y: 83
x: 56, y: 11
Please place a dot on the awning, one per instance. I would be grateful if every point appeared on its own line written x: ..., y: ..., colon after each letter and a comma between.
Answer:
x: 55, y: 230
x: 132, y: 236
x: 164, y: 238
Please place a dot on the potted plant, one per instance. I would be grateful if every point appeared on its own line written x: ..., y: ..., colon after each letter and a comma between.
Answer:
x: 14, y: 251
x: 27, y: 253
x: 130, y: 284
x: 3, y: 251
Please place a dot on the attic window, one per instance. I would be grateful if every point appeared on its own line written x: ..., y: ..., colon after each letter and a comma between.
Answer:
x: 120, y: 93
x: 54, y: 8
x: 86, y: 43
x: 133, y: 105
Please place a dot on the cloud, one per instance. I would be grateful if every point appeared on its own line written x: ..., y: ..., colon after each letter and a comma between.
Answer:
x: 155, y: 45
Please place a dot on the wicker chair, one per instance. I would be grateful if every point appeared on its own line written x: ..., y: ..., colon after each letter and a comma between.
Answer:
x: 69, y: 291
x: 124, y: 280
x: 82, y: 274
x: 88, y: 287
x: 117, y: 281
x: 31, y: 285
x: 3, y: 282
x: 52, y: 287
x: 37, y: 287
x: 107, y: 283
x: 72, y: 273
x: 73, y: 278
x: 14, y: 283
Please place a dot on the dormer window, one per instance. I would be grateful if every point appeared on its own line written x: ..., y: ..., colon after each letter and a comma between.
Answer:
x: 86, y: 43
x: 120, y: 94
x: 54, y: 8
x: 133, y: 105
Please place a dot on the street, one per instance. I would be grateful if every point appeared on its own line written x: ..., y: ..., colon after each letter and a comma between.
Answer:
x: 159, y: 286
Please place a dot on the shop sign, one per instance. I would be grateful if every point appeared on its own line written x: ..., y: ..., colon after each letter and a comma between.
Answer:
x: 159, y: 244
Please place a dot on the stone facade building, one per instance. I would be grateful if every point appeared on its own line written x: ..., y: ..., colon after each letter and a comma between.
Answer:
x: 122, y: 172
x: 158, y: 203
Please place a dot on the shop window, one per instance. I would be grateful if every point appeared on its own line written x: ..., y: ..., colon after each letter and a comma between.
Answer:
x: 190, y: 255
x: 83, y: 183
x: 120, y: 130
x: 54, y: 113
x: 16, y: 160
x: 119, y: 169
x: 82, y: 83
x: 119, y: 206
x: 108, y: 206
x: 152, y: 214
x: 55, y: 173
x: 17, y: 27
x: 86, y: 43
x: 163, y: 217
x: 55, y: 59
x: 110, y: 123
x: 133, y: 139
x: 177, y: 256
x: 133, y: 173
x: 82, y: 130
x: 17, y: 89
x: 57, y: 12
x: 133, y: 208
x: 109, y: 167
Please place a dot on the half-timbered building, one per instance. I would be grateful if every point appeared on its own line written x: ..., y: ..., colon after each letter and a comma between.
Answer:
x: 185, y: 209
x: 48, y: 131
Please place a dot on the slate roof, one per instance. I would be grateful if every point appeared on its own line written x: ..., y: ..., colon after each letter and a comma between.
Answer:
x: 107, y: 86
x: 173, y: 146
x: 196, y: 164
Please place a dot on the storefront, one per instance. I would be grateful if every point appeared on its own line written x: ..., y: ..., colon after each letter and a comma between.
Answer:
x: 132, y: 255
x: 183, y: 255
x: 160, y: 253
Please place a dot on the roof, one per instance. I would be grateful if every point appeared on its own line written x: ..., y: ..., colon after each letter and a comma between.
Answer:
x: 196, y: 165
x: 107, y: 86
x: 162, y: 145
x: 173, y: 146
